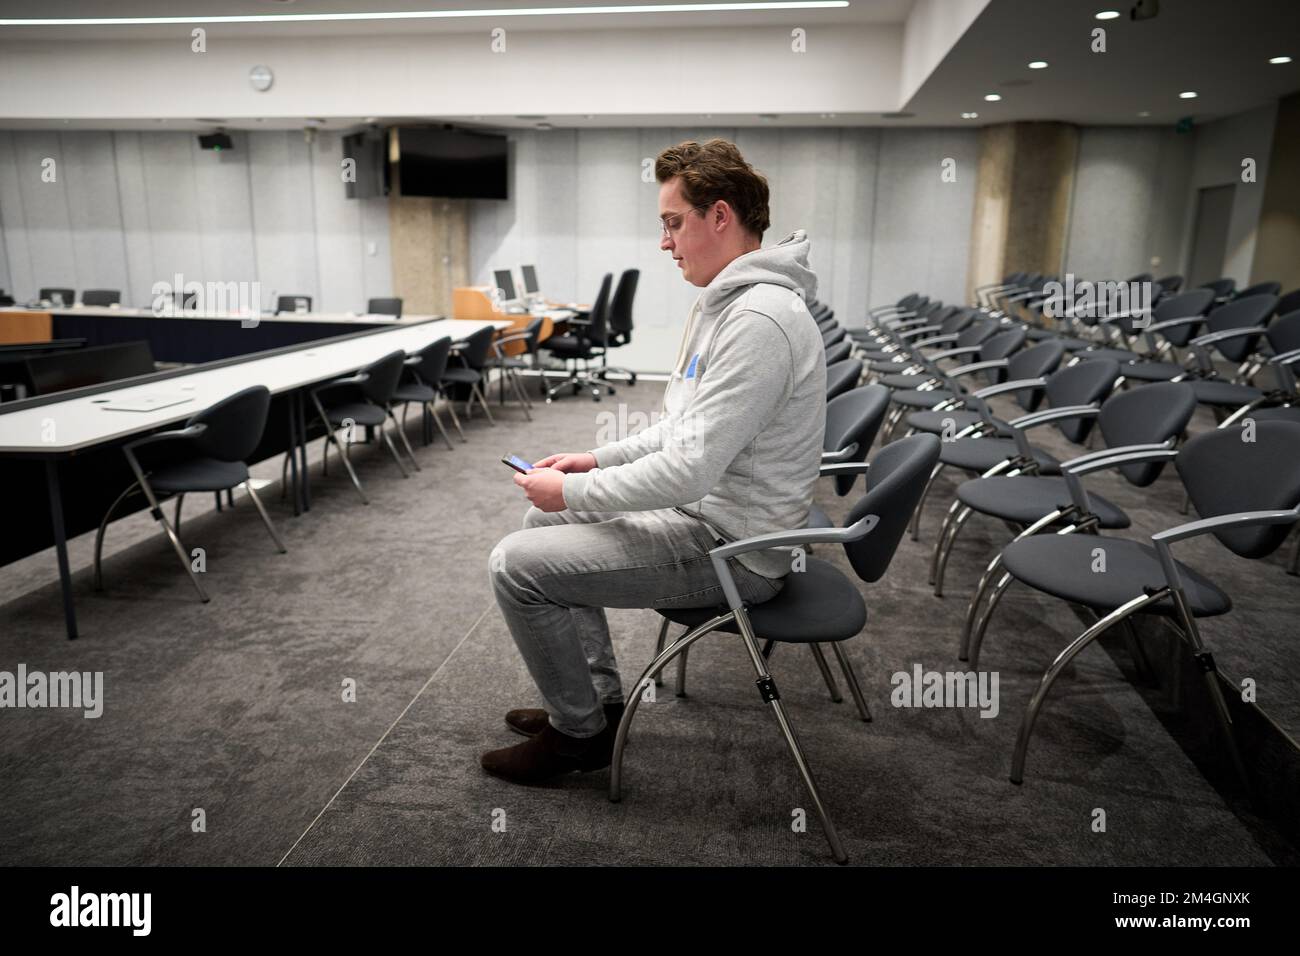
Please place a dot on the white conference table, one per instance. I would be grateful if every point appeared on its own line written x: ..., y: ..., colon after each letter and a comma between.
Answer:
x: 108, y: 311
x: 59, y: 428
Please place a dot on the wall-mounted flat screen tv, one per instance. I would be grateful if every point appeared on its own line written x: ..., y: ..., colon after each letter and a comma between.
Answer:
x: 452, y: 163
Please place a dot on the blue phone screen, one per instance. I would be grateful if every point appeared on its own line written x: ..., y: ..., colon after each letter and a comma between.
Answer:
x: 518, y: 462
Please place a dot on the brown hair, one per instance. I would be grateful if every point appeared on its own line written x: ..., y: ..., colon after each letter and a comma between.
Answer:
x: 715, y: 170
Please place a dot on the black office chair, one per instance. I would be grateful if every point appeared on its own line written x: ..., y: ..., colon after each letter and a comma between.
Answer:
x: 467, y: 370
x: 509, y: 366
x: 818, y: 604
x: 364, y: 398
x: 1170, y: 285
x: 1259, y: 288
x: 1246, y: 313
x: 842, y: 376
x: 57, y: 296
x: 101, y: 297
x: 1147, y: 418
x: 1282, y: 336
x: 1222, y: 288
x: 292, y: 303
x: 852, y: 422
x: 384, y: 307
x: 216, y: 441
x: 1248, y: 496
x: 585, y: 345
x: 1170, y: 326
x: 422, y: 383
x: 620, y: 323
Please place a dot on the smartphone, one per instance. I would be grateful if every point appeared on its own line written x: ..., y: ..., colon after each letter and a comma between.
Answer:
x: 517, y: 463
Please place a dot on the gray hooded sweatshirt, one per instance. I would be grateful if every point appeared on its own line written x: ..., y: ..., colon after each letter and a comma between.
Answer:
x: 740, y: 440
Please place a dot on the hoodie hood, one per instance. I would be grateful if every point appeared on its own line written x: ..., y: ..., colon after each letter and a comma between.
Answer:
x: 784, y: 264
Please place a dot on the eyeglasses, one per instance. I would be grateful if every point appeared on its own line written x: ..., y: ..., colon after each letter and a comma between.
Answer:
x: 668, y: 224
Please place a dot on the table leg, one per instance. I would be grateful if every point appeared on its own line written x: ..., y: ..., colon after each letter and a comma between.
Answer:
x: 61, y: 545
x: 302, y: 451
x: 293, y: 452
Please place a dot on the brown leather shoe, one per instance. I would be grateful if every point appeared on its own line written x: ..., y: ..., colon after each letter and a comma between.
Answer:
x: 529, y: 721
x: 550, y: 754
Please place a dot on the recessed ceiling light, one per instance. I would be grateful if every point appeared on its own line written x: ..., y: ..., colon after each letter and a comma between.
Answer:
x: 1276, y: 60
x: 1145, y: 113
x: 1187, y: 95
x: 1038, y: 65
x: 970, y: 115
x: 1108, y: 15
x: 992, y: 97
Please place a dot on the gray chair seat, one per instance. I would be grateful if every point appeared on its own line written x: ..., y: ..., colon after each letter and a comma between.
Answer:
x: 1073, y: 344
x: 198, y: 474
x: 915, y: 398
x: 565, y: 345
x: 817, y: 604
x: 1123, y: 356
x: 1212, y: 391
x: 817, y: 518
x: 1062, y: 566
x: 359, y: 413
x: 933, y: 422
x: 905, y: 381
x: 414, y: 392
x: 1152, y: 371
x: 981, y: 454
x: 1026, y: 498
x: 464, y: 376
x: 880, y: 362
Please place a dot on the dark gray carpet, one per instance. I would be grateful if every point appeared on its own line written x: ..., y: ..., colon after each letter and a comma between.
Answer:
x: 235, y: 707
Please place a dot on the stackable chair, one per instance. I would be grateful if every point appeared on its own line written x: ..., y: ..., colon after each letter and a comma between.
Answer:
x: 1283, y: 339
x: 1223, y: 289
x: 958, y: 331
x: 1175, y: 320
x: 884, y: 335
x: 293, y: 303
x: 363, y: 398
x: 897, y: 343
x: 101, y: 297
x: 1239, y: 315
x: 842, y: 376
x: 470, y: 369
x: 838, y: 352
x: 1248, y: 496
x: 818, y: 604
x: 583, y: 346
x: 215, y: 443
x: 509, y: 366
x: 57, y: 296
x: 421, y: 383
x: 1170, y: 284
x: 389, y: 306
x: 852, y: 421
x: 1071, y: 393
x: 1259, y: 288
x: 1138, y: 420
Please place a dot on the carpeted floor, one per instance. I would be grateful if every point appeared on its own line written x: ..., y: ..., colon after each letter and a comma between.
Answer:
x: 237, y: 707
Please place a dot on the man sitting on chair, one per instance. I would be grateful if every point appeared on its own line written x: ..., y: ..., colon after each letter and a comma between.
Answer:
x: 736, y: 454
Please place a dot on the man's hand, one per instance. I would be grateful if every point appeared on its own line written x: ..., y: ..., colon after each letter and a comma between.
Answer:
x: 571, y: 463
x: 544, y: 487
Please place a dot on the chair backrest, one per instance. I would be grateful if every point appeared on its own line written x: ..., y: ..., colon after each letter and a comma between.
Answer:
x: 477, y: 347
x: 68, y: 296
x: 597, y: 333
x: 1186, y: 305
x: 977, y: 333
x: 1147, y: 415
x: 894, y: 484
x: 1003, y: 344
x: 1240, y: 314
x: 433, y: 361
x: 1037, y: 362
x: 832, y: 336
x: 620, y: 307
x: 1224, y: 474
x: 1221, y: 287
x: 842, y: 376
x: 957, y: 321
x: 534, y: 331
x: 101, y: 297
x: 1259, y: 288
x: 235, y: 425
x: 1084, y: 383
x: 384, y: 307
x: 289, y: 303
x: 854, y: 418
x: 1284, y: 334
x: 60, y: 371
x: 1289, y: 303
x: 839, y: 352
x: 384, y: 376
x: 1170, y: 284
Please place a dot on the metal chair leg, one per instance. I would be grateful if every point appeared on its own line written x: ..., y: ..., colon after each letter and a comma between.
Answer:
x: 1049, y: 677
x: 437, y: 420
x: 851, y: 678
x: 957, y: 524
x: 99, y: 535
x: 681, y: 673
x: 180, y: 499
x: 401, y: 433
x: 392, y: 450
x: 659, y: 647
x: 519, y: 393
x: 920, y: 505
x: 820, y: 658
x: 347, y: 463
x: 981, y: 626
x: 266, y: 519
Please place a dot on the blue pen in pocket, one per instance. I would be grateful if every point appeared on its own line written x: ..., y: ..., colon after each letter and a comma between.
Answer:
x: 690, y: 369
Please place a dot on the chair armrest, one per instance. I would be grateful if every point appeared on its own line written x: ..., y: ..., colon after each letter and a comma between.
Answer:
x: 1020, y: 383
x: 976, y: 367
x: 1175, y: 323
x: 780, y: 539
x: 840, y: 455
x: 1286, y: 358
x: 1121, y: 455
x: 1163, y: 539
x: 922, y: 330
x: 189, y: 431
x: 1054, y: 415
x: 1212, y: 337
x: 953, y: 353
x: 512, y: 337
x: 936, y: 340
x: 845, y: 468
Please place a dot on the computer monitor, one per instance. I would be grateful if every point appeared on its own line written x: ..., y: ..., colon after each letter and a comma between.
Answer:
x: 506, y: 283
x: 530, y: 280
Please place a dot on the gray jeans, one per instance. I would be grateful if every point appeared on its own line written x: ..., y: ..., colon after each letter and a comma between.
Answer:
x: 554, y: 578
